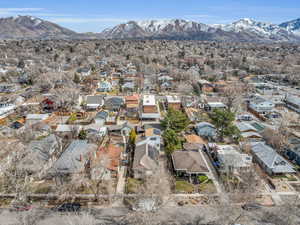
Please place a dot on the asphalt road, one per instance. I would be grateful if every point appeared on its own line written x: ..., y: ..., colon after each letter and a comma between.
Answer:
x: 223, y: 215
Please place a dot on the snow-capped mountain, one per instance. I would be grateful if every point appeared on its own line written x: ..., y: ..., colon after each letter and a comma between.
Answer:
x: 246, y: 30
x: 241, y: 30
x: 262, y: 29
x: 175, y: 25
x: 125, y: 31
x: 292, y: 26
x: 155, y: 29
x: 29, y: 27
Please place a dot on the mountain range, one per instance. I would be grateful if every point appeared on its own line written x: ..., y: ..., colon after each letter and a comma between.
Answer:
x: 247, y: 30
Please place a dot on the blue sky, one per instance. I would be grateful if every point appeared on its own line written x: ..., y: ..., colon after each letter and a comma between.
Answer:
x: 96, y: 15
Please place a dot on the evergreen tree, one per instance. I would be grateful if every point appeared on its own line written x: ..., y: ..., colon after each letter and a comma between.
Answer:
x: 171, y: 140
x: 76, y: 78
x: 223, y: 121
x: 175, y: 120
x: 132, y: 136
x: 82, y: 135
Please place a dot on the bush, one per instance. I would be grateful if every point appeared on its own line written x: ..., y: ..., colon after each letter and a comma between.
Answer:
x: 202, y: 178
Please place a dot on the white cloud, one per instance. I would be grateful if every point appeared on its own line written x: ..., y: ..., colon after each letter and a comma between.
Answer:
x: 199, y: 16
x: 14, y: 11
x: 86, y: 20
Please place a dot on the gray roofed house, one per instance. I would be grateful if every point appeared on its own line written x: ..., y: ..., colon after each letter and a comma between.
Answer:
x: 293, y: 102
x: 145, y: 159
x: 124, y: 128
x: 248, y: 131
x: 41, y: 154
x: 101, y: 117
x: 128, y: 85
x: 270, y: 160
x: 35, y: 118
x: 245, y: 127
x: 85, y: 71
x: 94, y: 102
x: 113, y: 103
x: 205, y: 129
x: 231, y: 159
x: 189, y: 163
x: 73, y: 159
x: 261, y: 105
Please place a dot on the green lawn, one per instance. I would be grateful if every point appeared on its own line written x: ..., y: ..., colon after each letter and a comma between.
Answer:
x: 132, y: 185
x: 184, y: 186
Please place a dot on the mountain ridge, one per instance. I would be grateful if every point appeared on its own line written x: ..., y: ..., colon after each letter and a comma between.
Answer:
x: 246, y: 30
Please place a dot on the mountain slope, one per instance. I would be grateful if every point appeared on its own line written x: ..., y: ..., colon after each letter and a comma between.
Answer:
x: 28, y: 27
x: 263, y: 30
x: 292, y: 26
x: 241, y: 30
x: 176, y: 29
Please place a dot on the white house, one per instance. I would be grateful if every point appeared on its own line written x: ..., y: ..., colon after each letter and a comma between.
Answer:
x: 261, y: 105
x: 293, y: 102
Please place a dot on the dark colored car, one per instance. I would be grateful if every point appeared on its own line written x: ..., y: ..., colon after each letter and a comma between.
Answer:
x: 21, y: 208
x: 250, y: 206
x: 68, y: 207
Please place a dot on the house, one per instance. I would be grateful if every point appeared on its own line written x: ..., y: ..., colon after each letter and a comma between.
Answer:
x: 104, y: 86
x: 103, y: 74
x: 231, y: 160
x: 149, y: 108
x: 173, y: 102
x: 259, y: 105
x: 166, y: 86
x: 132, y: 100
x: 40, y: 155
x: 6, y: 109
x: 84, y: 71
x: 206, y: 86
x: 210, y: 106
x: 165, y: 78
x: 7, y: 88
x: 245, y: 127
x: 35, y: 118
x: 293, y: 102
x: 16, y: 125
x: 74, y: 159
x: 48, y: 104
x: 189, y: 163
x: 293, y: 151
x: 113, y: 103
x: 123, y: 129
x: 151, y: 131
x: 248, y: 132
x: 128, y: 86
x: 67, y: 130
x: 149, y: 104
x: 111, y: 156
x: 95, y: 129
x: 94, y: 102
x: 132, y: 106
x: 206, y: 130
x: 270, y: 160
x: 101, y: 117
x: 145, y: 160
x: 245, y: 117
x: 220, y: 86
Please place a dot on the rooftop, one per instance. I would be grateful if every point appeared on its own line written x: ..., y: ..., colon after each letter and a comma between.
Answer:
x: 173, y: 99
x: 149, y: 100
x: 189, y: 161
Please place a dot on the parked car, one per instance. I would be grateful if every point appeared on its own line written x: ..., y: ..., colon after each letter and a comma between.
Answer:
x: 251, y: 206
x: 21, y: 208
x: 68, y: 207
